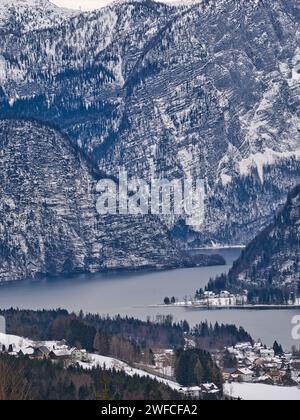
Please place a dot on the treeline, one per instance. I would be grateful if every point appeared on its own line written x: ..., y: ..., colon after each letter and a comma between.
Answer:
x: 125, y: 338
x: 160, y: 333
x: 25, y: 379
x: 60, y: 324
x: 269, y: 295
x: 211, y: 337
x: 195, y: 367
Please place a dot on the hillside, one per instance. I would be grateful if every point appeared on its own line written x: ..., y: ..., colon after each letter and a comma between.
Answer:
x: 270, y: 266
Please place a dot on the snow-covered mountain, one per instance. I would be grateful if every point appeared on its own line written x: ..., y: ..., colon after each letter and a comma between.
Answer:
x: 48, y: 219
x: 210, y: 89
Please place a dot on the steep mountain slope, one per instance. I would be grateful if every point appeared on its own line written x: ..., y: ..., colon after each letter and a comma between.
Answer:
x: 48, y: 219
x: 270, y: 266
x: 210, y: 89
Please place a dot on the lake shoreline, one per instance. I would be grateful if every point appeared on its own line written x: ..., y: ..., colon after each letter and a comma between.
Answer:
x: 130, y: 294
x: 231, y: 308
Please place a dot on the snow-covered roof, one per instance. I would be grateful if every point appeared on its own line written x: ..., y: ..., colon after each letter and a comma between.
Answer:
x: 245, y: 371
x: 62, y: 353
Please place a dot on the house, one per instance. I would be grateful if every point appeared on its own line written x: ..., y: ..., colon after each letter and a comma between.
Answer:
x: 259, y: 362
x: 249, y: 361
x: 209, y: 294
x: 198, y: 392
x: 209, y: 389
x: 244, y: 374
x: 227, y: 373
x: 244, y: 347
x: 77, y: 355
x: 191, y: 392
x: 61, y: 354
x: 296, y: 376
x: 267, y: 353
x: 225, y: 294
x: 275, y: 376
x: 29, y: 351
x: 42, y: 352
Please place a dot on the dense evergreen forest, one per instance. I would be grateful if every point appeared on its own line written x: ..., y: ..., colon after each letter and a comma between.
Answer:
x: 211, y: 337
x: 195, y: 367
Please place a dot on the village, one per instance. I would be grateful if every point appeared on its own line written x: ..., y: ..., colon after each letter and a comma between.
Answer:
x: 247, y: 363
x: 244, y: 363
x: 59, y: 352
x: 54, y: 351
x: 211, y: 300
x: 224, y: 299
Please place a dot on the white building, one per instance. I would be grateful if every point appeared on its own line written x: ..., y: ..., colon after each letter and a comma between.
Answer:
x: 244, y: 374
x: 224, y: 299
x: 267, y: 353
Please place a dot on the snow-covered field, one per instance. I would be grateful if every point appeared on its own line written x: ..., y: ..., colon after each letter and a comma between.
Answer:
x: 110, y: 363
x: 258, y: 392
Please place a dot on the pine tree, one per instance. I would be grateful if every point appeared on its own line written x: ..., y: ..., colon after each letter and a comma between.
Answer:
x: 167, y: 301
x: 277, y: 349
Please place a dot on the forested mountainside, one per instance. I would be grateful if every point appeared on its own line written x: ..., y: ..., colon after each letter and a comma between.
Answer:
x: 209, y: 89
x: 270, y: 266
x: 48, y: 219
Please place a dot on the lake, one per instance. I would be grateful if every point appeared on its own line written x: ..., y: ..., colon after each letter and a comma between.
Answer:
x: 132, y: 294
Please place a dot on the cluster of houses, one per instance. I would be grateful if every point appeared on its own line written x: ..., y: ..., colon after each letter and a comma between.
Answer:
x: 201, y: 391
x: 60, y: 352
x: 223, y: 299
x: 213, y: 300
x: 164, y: 361
x: 55, y: 352
x: 259, y: 364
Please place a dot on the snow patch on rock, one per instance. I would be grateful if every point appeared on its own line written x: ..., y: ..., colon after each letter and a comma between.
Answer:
x: 261, y: 160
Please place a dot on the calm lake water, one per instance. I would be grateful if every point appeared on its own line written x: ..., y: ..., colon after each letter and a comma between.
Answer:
x: 132, y: 294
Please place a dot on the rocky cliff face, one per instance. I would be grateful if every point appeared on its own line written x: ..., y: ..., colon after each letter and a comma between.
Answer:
x: 48, y: 219
x: 209, y: 89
